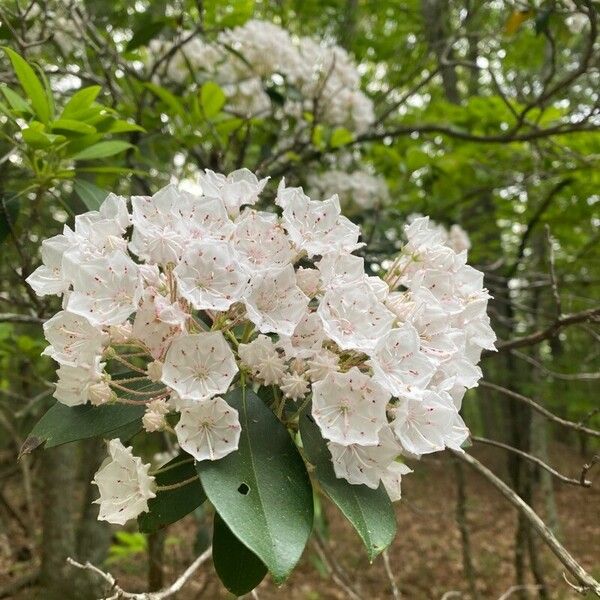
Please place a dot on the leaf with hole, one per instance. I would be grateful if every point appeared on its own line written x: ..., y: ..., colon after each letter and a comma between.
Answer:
x: 171, y: 505
x: 262, y: 491
x: 369, y: 511
x: 239, y: 569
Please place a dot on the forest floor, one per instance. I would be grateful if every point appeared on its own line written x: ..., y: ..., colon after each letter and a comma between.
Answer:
x: 426, y: 556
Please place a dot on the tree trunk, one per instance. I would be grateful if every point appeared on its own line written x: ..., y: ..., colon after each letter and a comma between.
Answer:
x: 436, y: 15
x: 58, y: 471
x: 93, y: 536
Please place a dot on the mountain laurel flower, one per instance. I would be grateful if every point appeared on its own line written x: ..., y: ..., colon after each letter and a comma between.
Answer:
x: 125, y: 485
x: 73, y: 339
x: 74, y: 382
x: 209, y: 430
x: 349, y: 408
x: 199, y: 366
x: 190, y: 294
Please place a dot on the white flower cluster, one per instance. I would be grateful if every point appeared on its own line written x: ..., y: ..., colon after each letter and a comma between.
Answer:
x: 357, y: 189
x: 206, y: 289
x: 246, y: 59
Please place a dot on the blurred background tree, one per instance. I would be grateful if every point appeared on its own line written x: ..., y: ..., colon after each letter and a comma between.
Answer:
x: 485, y: 114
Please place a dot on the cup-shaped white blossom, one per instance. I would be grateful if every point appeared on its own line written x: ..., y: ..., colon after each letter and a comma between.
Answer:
x: 317, y: 227
x: 209, y: 430
x: 236, y: 189
x: 349, y: 408
x: 106, y: 290
x: 74, y: 382
x: 49, y: 277
x: 399, y: 365
x: 199, y: 366
x: 73, y: 339
x: 274, y: 302
x: 360, y: 464
x: 307, y: 339
x: 354, y: 318
x: 392, y: 479
x: 261, y: 242
x: 149, y: 326
x: 125, y: 485
x: 209, y: 275
x: 422, y: 425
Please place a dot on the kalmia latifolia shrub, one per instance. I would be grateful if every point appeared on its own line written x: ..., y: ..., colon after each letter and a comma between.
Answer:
x: 256, y: 339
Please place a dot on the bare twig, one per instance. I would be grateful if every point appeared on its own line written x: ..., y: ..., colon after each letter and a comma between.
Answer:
x: 388, y: 569
x: 16, y: 318
x: 518, y: 588
x: 540, y: 409
x: 564, y: 376
x: 118, y: 592
x: 574, y: 568
x: 581, y: 481
x: 587, y: 467
x: 550, y: 331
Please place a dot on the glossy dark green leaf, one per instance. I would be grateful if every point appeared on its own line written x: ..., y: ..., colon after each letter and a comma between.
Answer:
x: 102, y: 150
x: 91, y: 195
x: 32, y: 86
x: 212, y: 99
x: 72, y: 126
x: 239, y: 569
x: 369, y: 511
x: 144, y: 33
x: 171, y: 505
x: 80, y: 101
x: 15, y: 101
x: 63, y: 424
x: 262, y: 491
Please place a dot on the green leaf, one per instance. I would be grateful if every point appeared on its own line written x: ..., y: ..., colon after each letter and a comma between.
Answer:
x: 31, y: 85
x: 370, y: 511
x: 121, y: 126
x: 144, y: 34
x: 238, y: 568
x: 72, y: 125
x: 80, y: 100
x: 340, y: 137
x: 91, y: 195
x: 167, y: 97
x: 171, y: 505
x: 35, y: 138
x: 102, y: 150
x: 16, y: 102
x: 212, y: 99
x: 262, y: 491
x: 317, y: 136
x: 63, y: 424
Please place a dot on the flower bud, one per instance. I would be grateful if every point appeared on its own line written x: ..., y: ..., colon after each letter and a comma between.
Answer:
x: 100, y: 393
x: 154, y: 371
x: 154, y: 417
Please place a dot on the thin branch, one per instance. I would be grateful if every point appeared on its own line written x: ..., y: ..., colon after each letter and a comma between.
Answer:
x: 119, y: 592
x: 550, y: 331
x: 583, y: 577
x: 564, y: 376
x: 16, y: 318
x: 540, y: 409
x: 388, y: 569
x: 587, y: 467
x: 581, y: 481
